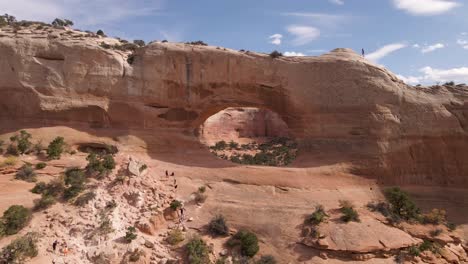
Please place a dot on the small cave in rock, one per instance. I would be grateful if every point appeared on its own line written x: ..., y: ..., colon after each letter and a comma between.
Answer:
x: 250, y: 136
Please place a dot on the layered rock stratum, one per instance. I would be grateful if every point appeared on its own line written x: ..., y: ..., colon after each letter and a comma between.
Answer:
x: 358, y: 128
x: 338, y: 104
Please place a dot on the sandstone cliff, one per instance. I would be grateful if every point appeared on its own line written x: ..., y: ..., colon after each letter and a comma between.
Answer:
x: 338, y: 105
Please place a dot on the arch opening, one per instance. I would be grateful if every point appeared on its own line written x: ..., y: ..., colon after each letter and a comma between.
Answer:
x: 249, y: 135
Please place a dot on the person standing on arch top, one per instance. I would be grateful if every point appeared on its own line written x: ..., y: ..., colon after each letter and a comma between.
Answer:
x: 363, y: 53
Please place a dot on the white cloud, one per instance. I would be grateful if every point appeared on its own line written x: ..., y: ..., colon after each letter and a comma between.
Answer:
x: 463, y: 43
x: 336, y: 2
x: 409, y: 79
x: 293, y: 54
x: 303, y: 34
x: 425, y: 7
x: 275, y: 39
x: 84, y: 13
x: 416, y: 46
x: 384, y: 51
x: 431, y: 48
x: 432, y: 75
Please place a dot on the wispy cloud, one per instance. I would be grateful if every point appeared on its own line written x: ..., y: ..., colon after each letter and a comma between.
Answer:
x: 293, y: 54
x: 432, y: 48
x: 385, y: 51
x: 84, y: 13
x: 275, y: 39
x: 425, y: 7
x: 432, y: 75
x: 463, y: 43
x: 336, y: 2
x: 303, y: 34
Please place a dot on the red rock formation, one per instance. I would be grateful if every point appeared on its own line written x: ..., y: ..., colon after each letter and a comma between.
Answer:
x: 242, y: 125
x: 337, y: 104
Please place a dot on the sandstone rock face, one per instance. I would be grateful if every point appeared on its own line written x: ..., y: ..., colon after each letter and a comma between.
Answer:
x: 242, y: 125
x: 338, y: 104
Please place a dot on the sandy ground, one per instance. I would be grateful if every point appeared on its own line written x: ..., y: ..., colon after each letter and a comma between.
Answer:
x: 270, y: 201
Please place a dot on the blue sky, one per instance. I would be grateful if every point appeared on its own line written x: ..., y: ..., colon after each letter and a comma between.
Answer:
x: 423, y: 41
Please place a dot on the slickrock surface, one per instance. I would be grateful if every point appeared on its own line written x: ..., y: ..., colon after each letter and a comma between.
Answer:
x: 359, y: 129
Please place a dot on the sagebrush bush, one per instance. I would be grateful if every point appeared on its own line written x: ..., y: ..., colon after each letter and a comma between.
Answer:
x: 218, y: 226
x: 26, y: 173
x: 175, y: 204
x: 348, y: 211
x: 75, y: 183
x: 317, y: 217
x: 20, y: 249
x: 247, y: 241
x: 401, y: 204
x: 44, y: 202
x: 56, y: 148
x: 41, y: 165
x: 15, y: 218
x: 131, y: 234
x: 197, y: 251
x: 276, y: 54
x: 175, y: 236
x: 22, y: 141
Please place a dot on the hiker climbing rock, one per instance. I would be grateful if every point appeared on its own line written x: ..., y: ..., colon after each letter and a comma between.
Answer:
x: 167, y: 173
x: 54, y: 245
x: 172, y: 174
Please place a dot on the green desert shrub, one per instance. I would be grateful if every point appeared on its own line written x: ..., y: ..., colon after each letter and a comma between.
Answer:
x: 218, y: 226
x: 62, y: 22
x: 131, y: 234
x: 198, y: 251
x: 74, y: 177
x: 143, y: 167
x: 55, y: 148
x: 54, y: 188
x: 220, y: 145
x: 348, y: 212
x: 202, y: 189
x: 41, y: 165
x: 139, y: 42
x: 276, y: 54
x: 26, y: 173
x: 100, y: 33
x: 15, y: 218
x: 247, y: 241
x: 317, y: 217
x: 100, y: 165
x: 175, y: 236
x: 401, y: 204
x: 175, y: 204
x: 44, y: 202
x: 20, y: 144
x: 20, y: 249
